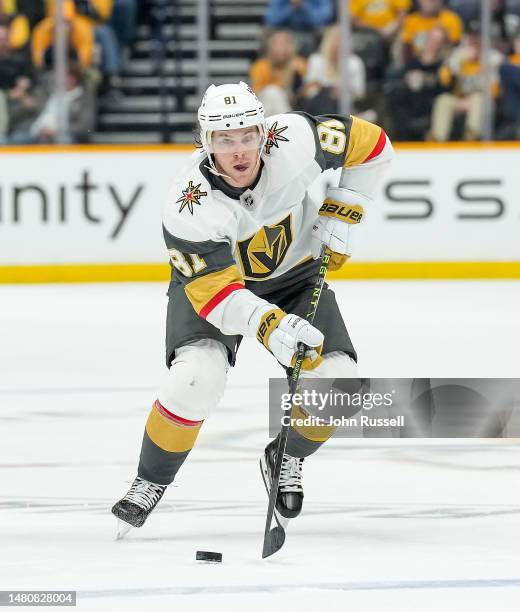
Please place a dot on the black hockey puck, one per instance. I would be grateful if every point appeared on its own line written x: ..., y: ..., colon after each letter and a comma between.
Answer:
x: 210, y: 557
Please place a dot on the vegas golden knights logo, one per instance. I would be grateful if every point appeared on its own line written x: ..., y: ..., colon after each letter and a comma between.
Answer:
x: 263, y: 252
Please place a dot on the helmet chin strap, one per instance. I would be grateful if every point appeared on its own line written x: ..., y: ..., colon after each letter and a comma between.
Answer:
x: 213, y: 169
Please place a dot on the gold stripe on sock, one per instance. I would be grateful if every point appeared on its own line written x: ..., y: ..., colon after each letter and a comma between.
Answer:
x: 170, y: 436
x: 314, y: 433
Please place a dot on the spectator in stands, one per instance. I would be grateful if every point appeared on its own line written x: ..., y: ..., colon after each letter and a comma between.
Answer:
x: 19, y: 28
x: 505, y: 18
x: 304, y: 17
x: 97, y: 14
x: 323, y: 78
x: 8, y: 72
x: 500, y: 19
x: 94, y: 14
x: 375, y: 24
x: 123, y: 22
x: 15, y: 77
x: 461, y: 74
x: 34, y: 11
x: 299, y: 14
x: 79, y: 107
x: 80, y: 36
x: 157, y: 17
x: 431, y: 14
x: 411, y: 91
x: 278, y: 77
x: 24, y: 105
x: 382, y: 16
x: 510, y: 85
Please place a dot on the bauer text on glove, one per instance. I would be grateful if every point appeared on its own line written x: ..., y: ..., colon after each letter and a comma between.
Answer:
x: 336, y: 225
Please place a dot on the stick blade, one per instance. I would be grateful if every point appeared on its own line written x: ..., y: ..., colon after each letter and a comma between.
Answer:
x: 273, y: 541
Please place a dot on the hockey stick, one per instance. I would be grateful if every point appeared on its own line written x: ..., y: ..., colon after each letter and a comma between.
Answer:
x: 274, y: 538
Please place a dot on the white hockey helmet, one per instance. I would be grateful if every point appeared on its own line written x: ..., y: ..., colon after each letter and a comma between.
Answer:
x: 230, y: 107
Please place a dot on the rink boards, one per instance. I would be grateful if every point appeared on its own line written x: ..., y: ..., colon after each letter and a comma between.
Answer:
x: 93, y: 213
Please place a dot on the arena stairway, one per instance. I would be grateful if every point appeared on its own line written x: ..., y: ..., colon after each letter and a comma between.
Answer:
x: 142, y: 113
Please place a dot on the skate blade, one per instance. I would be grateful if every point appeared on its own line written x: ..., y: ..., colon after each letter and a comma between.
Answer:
x: 122, y: 529
x: 282, y: 521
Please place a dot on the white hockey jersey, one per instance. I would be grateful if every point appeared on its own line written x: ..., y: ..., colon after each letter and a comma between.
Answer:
x: 230, y: 246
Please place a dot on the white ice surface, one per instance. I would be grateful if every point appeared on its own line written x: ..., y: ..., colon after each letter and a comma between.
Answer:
x: 388, y: 525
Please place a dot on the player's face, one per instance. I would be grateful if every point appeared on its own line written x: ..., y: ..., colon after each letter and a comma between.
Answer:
x: 430, y: 7
x: 236, y: 155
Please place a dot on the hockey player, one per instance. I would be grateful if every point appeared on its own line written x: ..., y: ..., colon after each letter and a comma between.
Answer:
x: 244, y: 237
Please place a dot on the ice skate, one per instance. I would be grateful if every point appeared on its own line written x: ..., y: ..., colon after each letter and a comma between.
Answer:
x: 134, y: 508
x: 290, y: 490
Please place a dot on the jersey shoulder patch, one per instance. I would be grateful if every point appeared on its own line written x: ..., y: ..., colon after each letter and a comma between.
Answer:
x: 191, y: 189
x: 290, y: 150
x: 288, y: 135
x: 276, y: 134
x: 191, y: 212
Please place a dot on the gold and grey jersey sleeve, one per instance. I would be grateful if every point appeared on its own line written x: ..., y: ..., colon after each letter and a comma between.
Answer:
x: 363, y: 152
x: 206, y: 269
x: 214, y: 285
x: 344, y: 142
